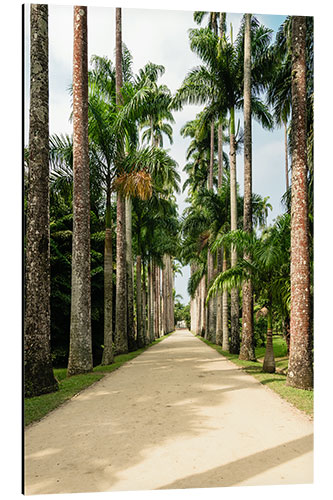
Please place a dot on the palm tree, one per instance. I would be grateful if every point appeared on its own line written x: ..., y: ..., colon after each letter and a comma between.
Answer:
x: 247, y: 345
x: 80, y: 352
x: 300, y: 371
x: 267, y: 267
x: 219, y: 84
x: 38, y: 373
x: 102, y: 140
x: 120, y: 338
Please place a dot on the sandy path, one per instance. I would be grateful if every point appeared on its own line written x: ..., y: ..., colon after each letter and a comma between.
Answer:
x: 178, y: 416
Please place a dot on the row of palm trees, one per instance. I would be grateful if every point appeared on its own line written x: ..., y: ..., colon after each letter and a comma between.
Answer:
x: 104, y: 160
x: 220, y: 228
x: 115, y: 168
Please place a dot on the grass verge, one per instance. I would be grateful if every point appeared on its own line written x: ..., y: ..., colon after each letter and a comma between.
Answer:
x: 303, y: 400
x: 37, y: 407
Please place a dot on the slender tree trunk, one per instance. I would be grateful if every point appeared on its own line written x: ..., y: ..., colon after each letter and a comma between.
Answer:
x: 139, y: 319
x: 269, y: 361
x: 80, y: 351
x: 286, y: 154
x: 144, y: 305
x: 129, y: 276
x: 203, y: 307
x: 158, y: 302
x: 154, y: 299
x: 151, y: 301
x: 164, y: 296
x: 108, y: 355
x: 193, y: 303
x: 170, y: 304
x: 247, y: 347
x: 219, y: 301
x: 38, y: 373
x: 120, y: 340
x: 121, y: 343
x: 211, y: 313
x: 234, y: 334
x: 225, y: 327
x: 300, y: 371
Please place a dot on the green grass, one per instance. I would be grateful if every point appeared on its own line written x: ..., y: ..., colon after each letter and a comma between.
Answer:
x: 303, y: 400
x: 37, y: 407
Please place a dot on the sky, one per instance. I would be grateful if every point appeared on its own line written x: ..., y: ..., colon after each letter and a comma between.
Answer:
x: 160, y: 37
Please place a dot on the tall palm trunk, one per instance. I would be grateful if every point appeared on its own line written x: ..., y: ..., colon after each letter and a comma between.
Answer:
x: 194, y: 304
x: 203, y: 308
x: 164, y: 296
x: 38, y: 373
x: 169, y: 310
x: 269, y: 361
x: 108, y: 355
x: 211, y: 314
x: 139, y: 318
x: 80, y: 351
x: 158, y: 302
x: 247, y: 346
x: 172, y: 305
x: 234, y: 333
x: 219, y: 300
x: 129, y: 276
x: 120, y: 340
x: 144, y: 305
x: 225, y: 327
x: 300, y: 371
x: 151, y: 301
x: 286, y: 153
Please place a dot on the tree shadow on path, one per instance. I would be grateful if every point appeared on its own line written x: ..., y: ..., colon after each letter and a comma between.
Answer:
x: 240, y: 470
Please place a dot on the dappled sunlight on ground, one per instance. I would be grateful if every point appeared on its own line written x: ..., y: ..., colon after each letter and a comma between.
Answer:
x: 180, y: 410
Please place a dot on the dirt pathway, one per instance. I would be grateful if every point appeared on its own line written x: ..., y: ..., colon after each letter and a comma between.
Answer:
x: 177, y: 416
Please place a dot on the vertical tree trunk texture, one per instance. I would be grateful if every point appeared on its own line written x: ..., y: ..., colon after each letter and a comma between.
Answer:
x: 286, y: 153
x: 154, y: 299
x: 80, y: 351
x: 269, y: 361
x: 154, y: 277
x: 129, y: 276
x: 139, y: 318
x: 247, y: 346
x: 164, y: 296
x: 144, y: 305
x: 211, y: 313
x: 198, y: 306
x: 170, y: 304
x: 203, y: 306
x: 225, y: 327
x: 108, y: 354
x: 300, y: 371
x: 219, y: 301
x: 211, y: 307
x: 234, y: 333
x: 38, y: 373
x: 151, y: 301
x: 168, y: 294
x: 158, y: 302
x: 120, y: 340
x: 121, y: 343
x: 193, y: 303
